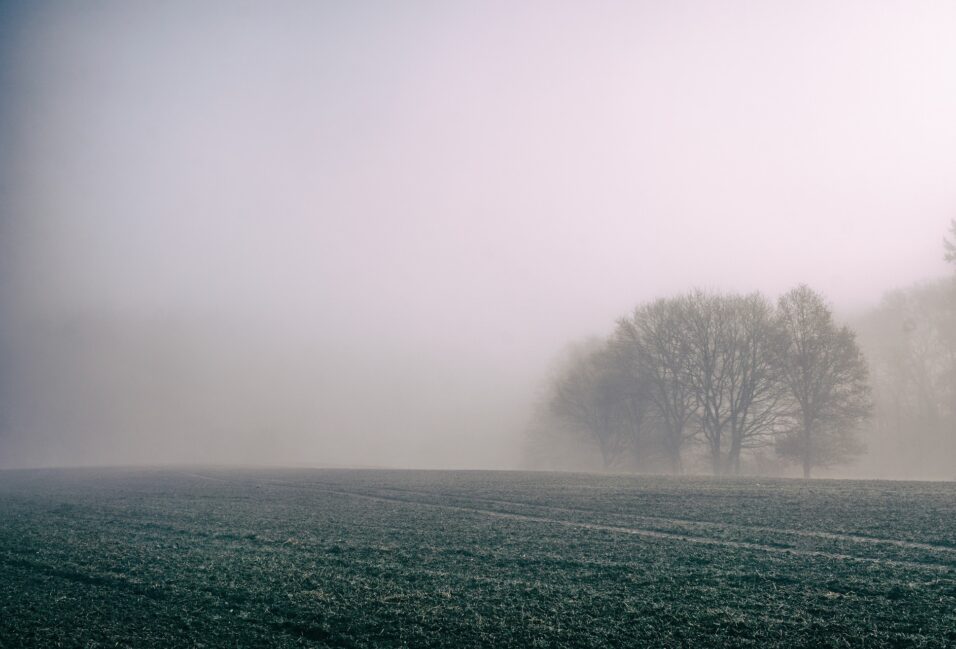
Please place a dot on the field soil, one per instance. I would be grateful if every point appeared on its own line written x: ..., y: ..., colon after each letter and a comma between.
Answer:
x: 342, y: 558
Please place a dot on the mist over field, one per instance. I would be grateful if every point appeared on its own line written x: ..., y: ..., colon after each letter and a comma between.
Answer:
x: 363, y: 234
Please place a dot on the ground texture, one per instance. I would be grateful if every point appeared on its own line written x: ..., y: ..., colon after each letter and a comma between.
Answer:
x: 226, y: 558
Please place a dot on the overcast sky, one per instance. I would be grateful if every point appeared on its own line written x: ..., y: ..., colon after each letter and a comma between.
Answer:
x: 409, y: 208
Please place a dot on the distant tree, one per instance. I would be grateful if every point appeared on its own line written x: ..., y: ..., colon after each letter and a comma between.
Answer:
x: 826, y: 378
x: 631, y: 405
x: 706, y: 373
x: 653, y: 342
x: 910, y: 339
x: 733, y: 369
x: 591, y: 396
x: 758, y: 387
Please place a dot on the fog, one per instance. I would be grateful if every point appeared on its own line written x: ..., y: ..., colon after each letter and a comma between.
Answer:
x: 358, y: 234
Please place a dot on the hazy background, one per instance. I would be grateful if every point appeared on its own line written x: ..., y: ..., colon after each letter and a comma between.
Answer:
x: 358, y: 233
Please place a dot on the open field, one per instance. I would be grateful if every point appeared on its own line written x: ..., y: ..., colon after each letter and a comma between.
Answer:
x: 213, y: 557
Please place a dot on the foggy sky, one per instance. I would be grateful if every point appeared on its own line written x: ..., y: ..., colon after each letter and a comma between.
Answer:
x: 358, y: 233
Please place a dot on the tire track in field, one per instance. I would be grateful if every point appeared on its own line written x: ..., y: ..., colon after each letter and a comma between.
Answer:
x: 333, y: 488
x: 685, y: 522
x: 648, y: 533
x: 206, y: 477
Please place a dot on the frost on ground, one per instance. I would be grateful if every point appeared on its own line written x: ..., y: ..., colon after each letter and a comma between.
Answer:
x: 391, y: 558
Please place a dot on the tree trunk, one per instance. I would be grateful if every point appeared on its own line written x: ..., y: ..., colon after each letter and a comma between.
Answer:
x: 676, y: 467
x: 733, y: 456
x: 807, y: 453
x: 672, y: 445
x: 715, y: 455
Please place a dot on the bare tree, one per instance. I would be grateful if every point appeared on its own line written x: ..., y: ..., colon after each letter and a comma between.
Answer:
x: 756, y: 379
x: 630, y: 401
x: 653, y: 342
x: 826, y: 377
x: 590, y: 396
x: 733, y: 368
x: 728, y: 370
x: 705, y: 372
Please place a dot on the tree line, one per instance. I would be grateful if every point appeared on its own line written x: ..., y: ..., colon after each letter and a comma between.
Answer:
x: 910, y: 341
x: 708, y: 380
x: 719, y: 374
